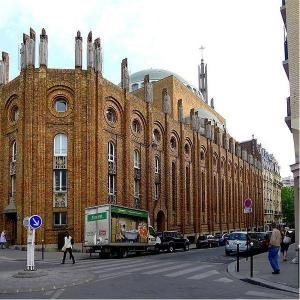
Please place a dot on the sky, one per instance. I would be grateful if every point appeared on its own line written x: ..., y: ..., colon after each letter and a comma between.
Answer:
x: 243, y: 42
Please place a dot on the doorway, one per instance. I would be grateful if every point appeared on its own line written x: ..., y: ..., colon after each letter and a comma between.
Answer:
x: 161, y: 221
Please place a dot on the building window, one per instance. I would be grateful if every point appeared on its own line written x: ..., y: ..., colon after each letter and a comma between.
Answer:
x: 60, y: 180
x: 60, y: 145
x: 173, y: 143
x: 157, y: 165
x: 14, y: 113
x: 60, y: 218
x: 156, y: 135
x: 111, y: 152
x: 202, y: 155
x: 14, y: 151
x: 187, y: 149
x: 136, y: 159
x: 61, y: 105
x: 111, y: 115
x: 136, y: 126
x: 111, y: 184
x: 136, y: 188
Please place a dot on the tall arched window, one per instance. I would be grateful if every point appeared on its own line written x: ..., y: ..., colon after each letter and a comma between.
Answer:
x: 14, y: 151
x: 111, y: 152
x: 174, y: 187
x: 136, y: 159
x: 60, y: 145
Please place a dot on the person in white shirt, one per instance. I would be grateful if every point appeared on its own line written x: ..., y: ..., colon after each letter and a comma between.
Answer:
x: 3, y: 239
x: 67, y: 248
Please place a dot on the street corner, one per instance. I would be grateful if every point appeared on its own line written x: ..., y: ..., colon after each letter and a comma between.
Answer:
x: 20, y: 281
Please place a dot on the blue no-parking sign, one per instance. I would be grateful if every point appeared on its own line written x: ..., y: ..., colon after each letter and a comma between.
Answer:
x: 35, y: 221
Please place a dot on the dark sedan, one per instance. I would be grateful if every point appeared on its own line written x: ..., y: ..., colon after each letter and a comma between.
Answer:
x: 207, y: 241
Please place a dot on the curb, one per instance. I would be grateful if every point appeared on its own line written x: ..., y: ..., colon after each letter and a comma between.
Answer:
x: 259, y: 281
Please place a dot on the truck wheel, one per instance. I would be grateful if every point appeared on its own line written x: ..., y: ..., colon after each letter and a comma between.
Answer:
x: 186, y: 247
x: 171, y: 248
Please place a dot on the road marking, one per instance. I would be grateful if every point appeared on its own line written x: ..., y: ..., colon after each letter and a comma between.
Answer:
x: 204, y: 275
x: 182, y: 272
x: 167, y: 269
x: 127, y: 266
x: 223, y: 279
x: 57, y: 294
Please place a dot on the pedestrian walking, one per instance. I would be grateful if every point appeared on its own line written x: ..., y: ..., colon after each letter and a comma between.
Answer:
x: 68, y: 248
x: 286, y: 240
x: 274, y: 247
x: 3, y: 239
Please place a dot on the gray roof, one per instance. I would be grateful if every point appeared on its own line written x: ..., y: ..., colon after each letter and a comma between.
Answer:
x: 155, y: 74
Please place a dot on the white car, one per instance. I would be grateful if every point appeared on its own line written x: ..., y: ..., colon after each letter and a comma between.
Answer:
x: 235, y: 238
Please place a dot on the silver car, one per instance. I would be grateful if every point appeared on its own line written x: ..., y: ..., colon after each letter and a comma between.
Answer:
x: 234, y: 238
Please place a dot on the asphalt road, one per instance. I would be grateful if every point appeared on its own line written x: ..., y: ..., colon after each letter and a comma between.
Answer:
x: 199, y: 273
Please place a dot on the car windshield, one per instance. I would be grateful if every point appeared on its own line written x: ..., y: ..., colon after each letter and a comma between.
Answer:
x: 238, y: 236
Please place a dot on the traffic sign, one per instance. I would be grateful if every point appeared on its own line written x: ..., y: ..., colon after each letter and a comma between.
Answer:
x: 35, y: 221
x: 247, y: 205
x: 26, y: 221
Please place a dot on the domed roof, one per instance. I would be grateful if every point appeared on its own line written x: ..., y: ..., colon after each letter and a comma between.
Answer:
x: 154, y: 74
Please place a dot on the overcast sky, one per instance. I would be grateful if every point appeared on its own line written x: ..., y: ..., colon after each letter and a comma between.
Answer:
x: 243, y: 43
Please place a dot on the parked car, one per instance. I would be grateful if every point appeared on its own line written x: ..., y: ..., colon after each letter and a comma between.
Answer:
x: 173, y: 240
x: 234, y: 238
x: 207, y: 241
x: 260, y: 241
x: 222, y: 238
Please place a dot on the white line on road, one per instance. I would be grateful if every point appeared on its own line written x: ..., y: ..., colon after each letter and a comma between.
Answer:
x: 182, y: 272
x: 203, y: 275
x: 223, y: 279
x: 160, y: 270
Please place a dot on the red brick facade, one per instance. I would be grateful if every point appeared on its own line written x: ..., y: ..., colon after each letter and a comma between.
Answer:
x: 201, y: 182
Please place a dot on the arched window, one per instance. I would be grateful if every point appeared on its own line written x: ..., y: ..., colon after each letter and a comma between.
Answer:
x: 111, y: 152
x: 60, y: 145
x: 136, y: 159
x: 14, y: 151
x: 157, y: 165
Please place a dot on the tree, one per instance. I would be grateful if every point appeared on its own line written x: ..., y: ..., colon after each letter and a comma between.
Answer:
x: 287, y: 202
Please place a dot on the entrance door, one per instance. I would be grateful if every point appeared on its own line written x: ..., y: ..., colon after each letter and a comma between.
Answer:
x: 161, y: 221
x: 11, y: 228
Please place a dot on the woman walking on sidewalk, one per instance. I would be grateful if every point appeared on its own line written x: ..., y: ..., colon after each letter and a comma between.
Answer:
x: 3, y: 239
x: 274, y: 247
x: 286, y: 240
x: 67, y: 248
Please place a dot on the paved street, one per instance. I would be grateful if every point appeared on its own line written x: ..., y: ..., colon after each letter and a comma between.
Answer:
x: 194, y: 274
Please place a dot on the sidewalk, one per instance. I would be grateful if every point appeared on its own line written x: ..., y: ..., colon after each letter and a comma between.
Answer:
x: 287, y: 280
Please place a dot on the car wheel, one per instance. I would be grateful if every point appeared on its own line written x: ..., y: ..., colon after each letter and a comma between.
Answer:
x: 227, y: 253
x: 171, y: 248
x: 186, y: 247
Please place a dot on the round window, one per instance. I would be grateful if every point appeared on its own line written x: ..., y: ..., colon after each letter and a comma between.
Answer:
x: 61, y: 105
x: 136, y: 126
x: 111, y: 115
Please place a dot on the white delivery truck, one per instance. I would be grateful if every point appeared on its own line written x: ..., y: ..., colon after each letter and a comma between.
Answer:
x: 114, y: 230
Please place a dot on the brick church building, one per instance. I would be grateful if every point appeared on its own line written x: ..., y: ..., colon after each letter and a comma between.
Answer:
x: 70, y: 139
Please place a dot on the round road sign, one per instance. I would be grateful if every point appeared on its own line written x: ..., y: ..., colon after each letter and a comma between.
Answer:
x: 248, y: 203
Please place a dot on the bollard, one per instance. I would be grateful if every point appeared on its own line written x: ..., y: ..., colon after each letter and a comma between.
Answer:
x: 251, y: 265
x: 42, y: 249
x: 238, y: 257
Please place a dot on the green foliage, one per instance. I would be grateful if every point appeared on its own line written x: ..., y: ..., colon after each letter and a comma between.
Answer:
x: 287, y: 202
